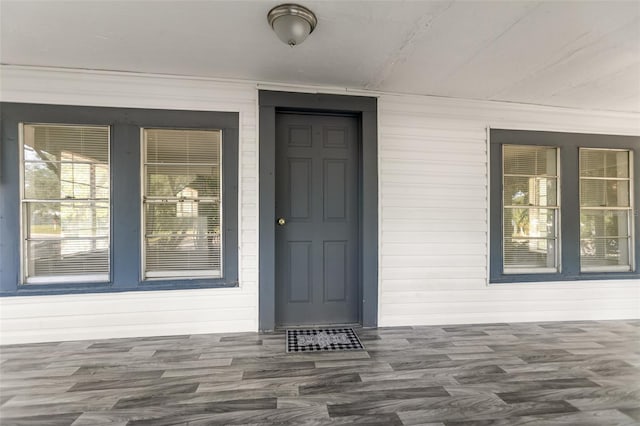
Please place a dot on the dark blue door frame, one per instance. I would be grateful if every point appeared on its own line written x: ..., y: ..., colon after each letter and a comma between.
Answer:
x: 365, y: 108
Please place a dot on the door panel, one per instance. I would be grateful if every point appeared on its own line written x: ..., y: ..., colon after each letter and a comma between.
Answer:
x: 317, y: 196
x: 299, y: 189
x: 335, y: 189
x: 335, y: 271
x: 299, y: 271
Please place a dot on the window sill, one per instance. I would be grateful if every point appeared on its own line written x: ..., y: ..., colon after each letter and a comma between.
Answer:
x: 102, y: 279
x: 186, y: 276
x: 530, y: 271
x: 546, y: 278
x: 90, y: 288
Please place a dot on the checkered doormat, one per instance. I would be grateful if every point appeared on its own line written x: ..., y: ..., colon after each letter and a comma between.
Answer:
x: 322, y: 340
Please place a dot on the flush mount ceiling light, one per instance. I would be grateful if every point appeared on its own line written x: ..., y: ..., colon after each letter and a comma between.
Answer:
x: 292, y: 23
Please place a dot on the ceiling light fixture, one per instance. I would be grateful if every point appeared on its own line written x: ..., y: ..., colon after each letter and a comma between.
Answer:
x: 292, y: 23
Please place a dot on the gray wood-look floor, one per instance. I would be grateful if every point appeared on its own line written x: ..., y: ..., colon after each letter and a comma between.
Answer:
x: 569, y: 373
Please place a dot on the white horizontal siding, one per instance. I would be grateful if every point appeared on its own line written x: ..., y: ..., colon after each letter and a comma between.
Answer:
x: 434, y: 212
x: 148, y: 313
x: 433, y: 216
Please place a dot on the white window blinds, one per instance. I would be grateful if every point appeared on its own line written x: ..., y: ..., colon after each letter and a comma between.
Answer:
x: 65, y: 203
x: 606, y: 210
x: 182, y: 205
x: 530, y: 209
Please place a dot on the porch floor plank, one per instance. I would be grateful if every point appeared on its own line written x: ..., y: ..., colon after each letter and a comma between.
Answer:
x: 577, y: 372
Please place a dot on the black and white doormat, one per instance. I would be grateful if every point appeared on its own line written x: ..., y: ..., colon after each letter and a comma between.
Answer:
x: 322, y: 340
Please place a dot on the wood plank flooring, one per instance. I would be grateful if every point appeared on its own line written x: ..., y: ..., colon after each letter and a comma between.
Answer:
x: 561, y: 373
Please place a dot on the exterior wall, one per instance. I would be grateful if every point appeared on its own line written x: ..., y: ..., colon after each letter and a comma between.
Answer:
x: 107, y: 315
x: 434, y: 210
x: 433, y: 216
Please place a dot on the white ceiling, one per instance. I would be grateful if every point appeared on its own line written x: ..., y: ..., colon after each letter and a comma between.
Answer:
x: 564, y: 53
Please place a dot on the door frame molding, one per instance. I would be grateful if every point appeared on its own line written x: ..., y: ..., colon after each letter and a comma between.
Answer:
x: 366, y: 109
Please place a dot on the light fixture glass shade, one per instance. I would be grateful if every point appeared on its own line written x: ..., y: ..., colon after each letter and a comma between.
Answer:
x: 292, y: 23
x: 291, y: 29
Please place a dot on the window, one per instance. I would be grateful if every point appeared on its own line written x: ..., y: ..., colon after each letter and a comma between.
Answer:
x: 530, y: 200
x: 97, y: 199
x: 182, y: 212
x: 562, y: 206
x: 65, y: 203
x: 606, y: 209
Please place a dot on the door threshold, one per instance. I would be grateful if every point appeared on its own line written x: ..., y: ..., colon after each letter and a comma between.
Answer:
x: 296, y: 327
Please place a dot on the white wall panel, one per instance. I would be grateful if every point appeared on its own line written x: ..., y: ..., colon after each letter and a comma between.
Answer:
x: 433, y: 216
x: 70, y: 317
x: 433, y: 221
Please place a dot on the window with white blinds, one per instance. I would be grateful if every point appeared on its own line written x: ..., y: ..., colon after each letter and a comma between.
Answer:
x: 530, y: 209
x: 562, y: 206
x: 65, y: 203
x: 606, y: 210
x: 182, y: 203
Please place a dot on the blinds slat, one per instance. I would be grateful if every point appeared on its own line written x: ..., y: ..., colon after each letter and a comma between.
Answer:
x: 183, y: 146
x: 535, y: 191
x: 529, y: 253
x: 68, y: 143
x: 604, y: 163
x: 68, y: 257
x: 530, y: 160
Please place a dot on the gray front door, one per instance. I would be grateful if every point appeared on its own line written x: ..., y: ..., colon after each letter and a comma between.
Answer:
x: 317, y: 199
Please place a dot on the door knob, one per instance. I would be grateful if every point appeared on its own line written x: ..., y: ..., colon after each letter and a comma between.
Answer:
x: 281, y: 221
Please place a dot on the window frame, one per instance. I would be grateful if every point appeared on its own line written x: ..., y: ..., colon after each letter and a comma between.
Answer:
x: 568, y: 145
x: 124, y: 152
x: 24, y: 259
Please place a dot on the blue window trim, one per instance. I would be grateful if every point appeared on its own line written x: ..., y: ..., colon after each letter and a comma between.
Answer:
x: 125, y: 164
x: 568, y: 144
